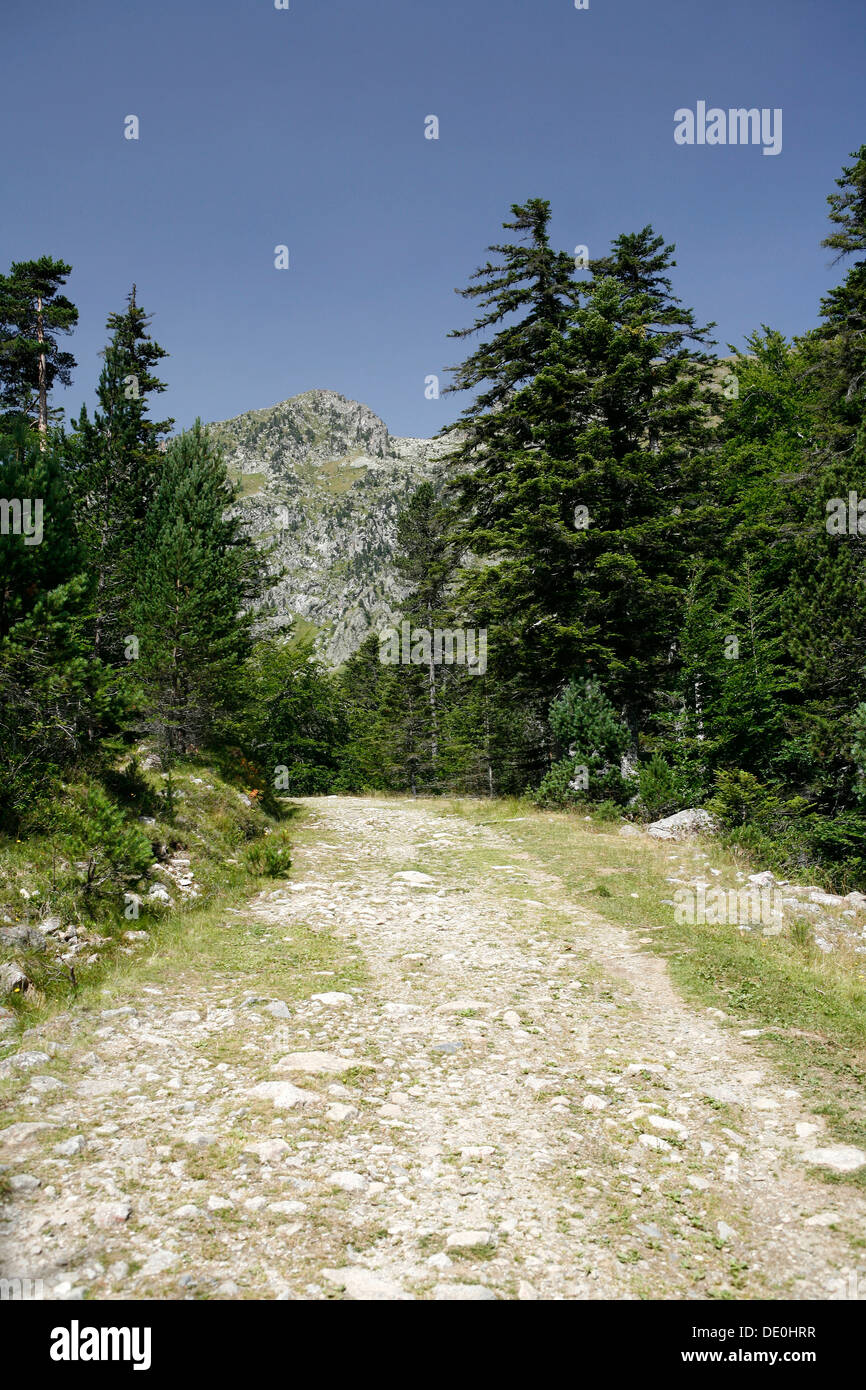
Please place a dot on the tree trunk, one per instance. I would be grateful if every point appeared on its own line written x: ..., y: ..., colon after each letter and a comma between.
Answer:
x: 434, y: 713
x: 43, y: 379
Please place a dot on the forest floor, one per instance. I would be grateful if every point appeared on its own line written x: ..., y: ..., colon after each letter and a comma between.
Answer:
x: 423, y: 1067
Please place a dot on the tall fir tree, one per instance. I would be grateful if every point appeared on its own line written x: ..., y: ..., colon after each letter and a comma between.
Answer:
x: 116, y: 460
x: 193, y: 603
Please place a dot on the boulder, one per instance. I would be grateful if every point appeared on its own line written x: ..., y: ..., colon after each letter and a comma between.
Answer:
x: 25, y: 938
x: 680, y: 826
x: 12, y: 980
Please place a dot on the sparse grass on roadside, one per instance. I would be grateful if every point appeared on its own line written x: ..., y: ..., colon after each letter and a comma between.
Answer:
x: 810, y: 1007
x: 234, y: 847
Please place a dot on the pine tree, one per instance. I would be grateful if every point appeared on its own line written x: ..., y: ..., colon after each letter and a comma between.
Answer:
x: 32, y: 313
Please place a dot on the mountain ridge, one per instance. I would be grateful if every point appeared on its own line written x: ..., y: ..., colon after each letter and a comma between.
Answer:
x: 321, y: 482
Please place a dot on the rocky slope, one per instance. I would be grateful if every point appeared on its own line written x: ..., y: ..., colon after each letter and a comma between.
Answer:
x: 322, y: 482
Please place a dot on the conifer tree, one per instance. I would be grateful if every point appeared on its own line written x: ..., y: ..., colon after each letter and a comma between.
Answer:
x: 424, y: 560
x: 117, y: 458
x: 54, y: 695
x: 192, y: 604
x: 530, y: 279
x: 32, y: 313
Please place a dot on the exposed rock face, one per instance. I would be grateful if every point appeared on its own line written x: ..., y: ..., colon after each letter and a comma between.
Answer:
x: 322, y: 481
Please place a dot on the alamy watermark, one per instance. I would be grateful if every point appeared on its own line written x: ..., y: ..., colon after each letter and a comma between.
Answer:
x: 460, y: 646
x: 21, y: 1290
x: 846, y: 517
x: 22, y: 516
x: 736, y: 126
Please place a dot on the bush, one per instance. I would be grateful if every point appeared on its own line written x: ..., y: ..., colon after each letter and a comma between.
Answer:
x: 657, y: 787
x: 271, y: 857
x: 584, y: 721
x: 110, y: 847
x: 740, y: 799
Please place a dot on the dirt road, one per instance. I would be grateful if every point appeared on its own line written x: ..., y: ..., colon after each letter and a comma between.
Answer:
x: 509, y: 1100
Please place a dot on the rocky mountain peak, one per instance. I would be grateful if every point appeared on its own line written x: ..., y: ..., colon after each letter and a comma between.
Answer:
x: 323, y: 481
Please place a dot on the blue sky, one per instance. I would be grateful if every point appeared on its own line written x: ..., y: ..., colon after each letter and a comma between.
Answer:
x: 305, y: 127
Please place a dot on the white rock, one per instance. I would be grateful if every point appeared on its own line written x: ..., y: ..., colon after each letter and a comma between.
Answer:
x: 463, y: 1240
x: 678, y: 827
x: 339, y: 1112
x: 22, y: 1134
x: 463, y: 1293
x: 823, y: 1218
x: 366, y: 1285
x: 278, y: 1009
x: 348, y: 1182
x: 23, y: 1182
x: 844, y: 1158
x: 27, y: 1061
x: 215, y: 1203
x: 826, y: 899
x: 333, y: 999
x: 13, y: 979
x: 268, y: 1150
x: 672, y: 1126
x: 110, y: 1214
x: 652, y: 1141
x: 283, y: 1095
x: 313, y: 1062
x: 805, y: 1130
x: 158, y: 1262
x: 69, y: 1147
x: 413, y: 878
x: 592, y: 1102
x: 698, y: 1183
x: 287, y: 1208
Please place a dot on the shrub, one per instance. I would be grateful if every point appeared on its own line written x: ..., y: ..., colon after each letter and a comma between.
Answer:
x: 657, y: 787
x: 110, y: 847
x: 585, y: 722
x: 271, y: 857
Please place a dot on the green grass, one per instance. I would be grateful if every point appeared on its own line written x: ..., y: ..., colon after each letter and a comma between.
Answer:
x: 249, y: 484
x: 234, y: 849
